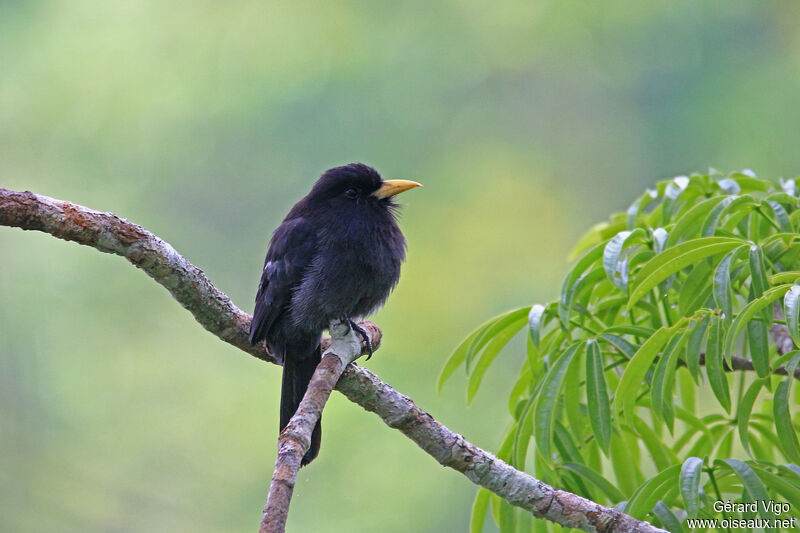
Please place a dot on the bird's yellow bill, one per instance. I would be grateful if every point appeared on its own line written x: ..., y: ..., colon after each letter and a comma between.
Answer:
x: 392, y: 187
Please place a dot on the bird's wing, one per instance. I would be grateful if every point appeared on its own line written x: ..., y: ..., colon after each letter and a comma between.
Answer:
x: 290, y: 253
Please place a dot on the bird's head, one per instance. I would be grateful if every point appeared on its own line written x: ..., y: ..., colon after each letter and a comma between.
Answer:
x: 357, y: 184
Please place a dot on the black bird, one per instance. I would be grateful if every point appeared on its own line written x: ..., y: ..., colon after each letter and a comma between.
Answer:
x: 336, y: 256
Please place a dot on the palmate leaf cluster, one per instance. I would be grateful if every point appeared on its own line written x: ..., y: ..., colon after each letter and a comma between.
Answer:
x: 653, y: 383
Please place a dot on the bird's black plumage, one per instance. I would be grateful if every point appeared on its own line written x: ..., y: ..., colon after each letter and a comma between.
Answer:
x: 336, y: 255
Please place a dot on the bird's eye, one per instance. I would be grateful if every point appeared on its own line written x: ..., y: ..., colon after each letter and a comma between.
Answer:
x: 352, y: 192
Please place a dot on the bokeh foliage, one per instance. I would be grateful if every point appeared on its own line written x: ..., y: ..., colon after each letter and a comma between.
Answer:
x: 650, y: 319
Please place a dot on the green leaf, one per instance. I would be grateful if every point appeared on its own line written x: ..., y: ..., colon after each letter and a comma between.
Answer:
x: 789, y: 186
x: 791, y: 310
x: 567, y: 447
x: 791, y: 470
x: 507, y: 516
x: 688, y: 393
x: 597, y: 234
x: 688, y: 433
x: 664, y: 378
x: 780, y: 484
x: 757, y: 329
x: 572, y: 402
x: 744, y: 409
x: 653, y: 490
x: 787, y: 239
x: 490, y: 353
x: 626, y: 329
x: 694, y: 347
x: 783, y: 417
x: 504, y: 452
x: 520, y: 387
x: 610, y: 305
x: 728, y: 204
x: 597, y: 396
x: 783, y: 198
x: 568, y: 451
x: 781, y: 360
x: 637, y: 206
x: 693, y: 421
x: 688, y: 224
x: 594, y: 459
x: 755, y: 487
x: 498, y: 325
x: 781, y: 216
x: 479, y: 509
x: 524, y: 430
x: 768, y: 436
x: 784, y: 277
x: 667, y: 517
x: 696, y: 288
x: 759, y: 346
x: 534, y: 358
x: 789, y: 255
x: 755, y: 222
x: 524, y: 522
x: 626, y: 348
x: 458, y: 356
x: 535, y: 323
x: 714, y: 365
x: 628, y: 387
x: 725, y: 444
x: 758, y: 271
x: 675, y: 259
x: 612, y: 493
x: 723, y: 296
x: 661, y: 454
x: 674, y: 190
x: 476, y: 341
x: 623, y: 465
x: 615, y: 259
x: 704, y: 445
x: 749, y: 311
x: 750, y: 183
x: 567, y: 289
x: 550, y: 342
x: 659, y: 239
x: 544, y: 410
x: 690, y: 484
x: 542, y: 526
x: 729, y: 186
x: 583, y: 287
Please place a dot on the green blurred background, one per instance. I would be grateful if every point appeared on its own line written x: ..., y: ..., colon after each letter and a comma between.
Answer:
x: 204, y: 121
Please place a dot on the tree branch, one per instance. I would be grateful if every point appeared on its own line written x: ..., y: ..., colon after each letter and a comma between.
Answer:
x: 783, y: 344
x: 743, y: 363
x: 110, y: 234
x: 781, y: 337
x: 481, y: 467
x: 295, y: 438
x: 216, y: 313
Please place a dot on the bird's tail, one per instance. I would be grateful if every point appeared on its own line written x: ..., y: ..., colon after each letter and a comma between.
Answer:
x: 296, y: 376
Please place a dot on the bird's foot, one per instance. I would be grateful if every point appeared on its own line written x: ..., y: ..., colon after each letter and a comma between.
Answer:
x: 345, y: 343
x: 364, y: 335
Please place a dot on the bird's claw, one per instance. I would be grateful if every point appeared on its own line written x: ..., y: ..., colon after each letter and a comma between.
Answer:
x: 364, y: 335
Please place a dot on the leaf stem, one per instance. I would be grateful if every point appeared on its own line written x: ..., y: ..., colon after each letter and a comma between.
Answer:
x: 772, y: 222
x: 717, y: 492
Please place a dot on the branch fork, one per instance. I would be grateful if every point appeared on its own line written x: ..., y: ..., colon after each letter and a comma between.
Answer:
x: 343, y: 347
